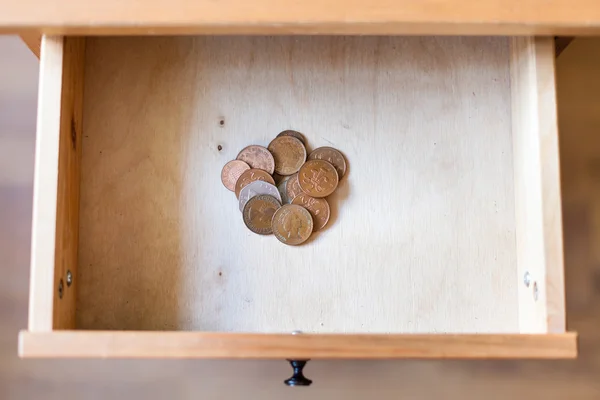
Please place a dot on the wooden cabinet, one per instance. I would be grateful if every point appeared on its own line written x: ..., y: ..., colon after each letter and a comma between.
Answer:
x: 446, y: 237
x: 340, y: 17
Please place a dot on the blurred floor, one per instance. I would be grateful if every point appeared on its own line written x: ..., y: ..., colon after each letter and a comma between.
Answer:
x: 579, y: 111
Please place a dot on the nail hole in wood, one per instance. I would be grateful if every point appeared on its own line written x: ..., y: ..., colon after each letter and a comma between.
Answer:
x: 61, y: 289
x: 222, y: 122
x: 219, y: 147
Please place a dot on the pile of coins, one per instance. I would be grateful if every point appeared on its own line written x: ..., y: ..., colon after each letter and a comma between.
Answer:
x: 296, y: 207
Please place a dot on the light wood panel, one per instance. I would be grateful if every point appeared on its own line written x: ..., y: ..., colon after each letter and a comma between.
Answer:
x: 42, y: 288
x: 56, y: 189
x: 218, y: 345
x: 422, y: 236
x: 310, y: 16
x: 537, y: 186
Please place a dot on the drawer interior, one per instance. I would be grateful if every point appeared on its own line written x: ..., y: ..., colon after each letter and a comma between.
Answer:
x: 431, y: 228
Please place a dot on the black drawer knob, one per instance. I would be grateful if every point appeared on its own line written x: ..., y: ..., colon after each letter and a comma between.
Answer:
x: 298, y: 378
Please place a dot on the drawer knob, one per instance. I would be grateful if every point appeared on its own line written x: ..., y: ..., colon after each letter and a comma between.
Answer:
x: 298, y: 378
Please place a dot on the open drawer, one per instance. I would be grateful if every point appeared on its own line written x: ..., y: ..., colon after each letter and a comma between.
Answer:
x: 445, y: 239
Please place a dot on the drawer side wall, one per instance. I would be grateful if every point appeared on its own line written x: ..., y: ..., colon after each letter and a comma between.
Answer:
x: 56, y: 186
x: 537, y: 186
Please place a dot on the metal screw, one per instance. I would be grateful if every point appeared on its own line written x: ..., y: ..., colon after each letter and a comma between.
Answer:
x: 535, y: 291
x: 296, y: 332
x: 61, y: 287
x: 527, y: 279
x: 69, y: 278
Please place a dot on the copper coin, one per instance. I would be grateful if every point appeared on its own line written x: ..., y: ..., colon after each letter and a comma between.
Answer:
x: 295, y: 134
x: 292, y: 188
x: 318, y: 178
x: 278, y: 178
x: 258, y: 213
x: 251, y: 175
x: 257, y: 157
x: 231, y: 172
x: 318, y: 209
x: 289, y: 154
x: 332, y: 156
x: 282, y: 187
x: 292, y: 224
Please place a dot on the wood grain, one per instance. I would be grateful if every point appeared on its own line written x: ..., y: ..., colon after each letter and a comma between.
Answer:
x: 537, y: 186
x: 67, y: 212
x: 56, y: 188
x: 422, y: 235
x: 218, y: 345
x: 453, y: 17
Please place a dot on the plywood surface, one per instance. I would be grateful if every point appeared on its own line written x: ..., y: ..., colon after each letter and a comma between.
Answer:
x: 422, y: 236
x: 69, y: 157
x: 56, y: 199
x: 342, y: 379
x: 507, y: 17
x: 537, y: 186
x: 45, y: 202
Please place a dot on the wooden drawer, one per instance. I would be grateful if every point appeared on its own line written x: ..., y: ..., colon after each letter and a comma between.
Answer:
x: 445, y: 241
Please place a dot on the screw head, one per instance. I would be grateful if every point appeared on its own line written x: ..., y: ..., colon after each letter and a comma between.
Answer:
x: 69, y: 278
x: 296, y: 332
x: 527, y: 279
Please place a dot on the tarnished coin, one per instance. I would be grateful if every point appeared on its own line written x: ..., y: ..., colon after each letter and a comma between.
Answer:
x: 318, y: 209
x: 278, y: 178
x: 332, y: 156
x: 289, y: 154
x: 282, y: 187
x: 250, y: 176
x: 318, y: 178
x: 258, y: 214
x: 257, y: 157
x: 292, y: 224
x: 257, y: 188
x: 231, y: 172
x: 292, y: 188
x: 295, y: 134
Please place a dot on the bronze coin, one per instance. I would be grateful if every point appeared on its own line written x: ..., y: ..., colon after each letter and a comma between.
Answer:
x: 282, y: 187
x: 332, y: 156
x: 257, y: 157
x: 318, y: 178
x: 251, y: 175
x: 231, y: 173
x: 295, y: 134
x: 318, y: 209
x: 258, y: 213
x: 292, y: 224
x: 289, y: 154
x: 292, y: 188
x: 278, y: 178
